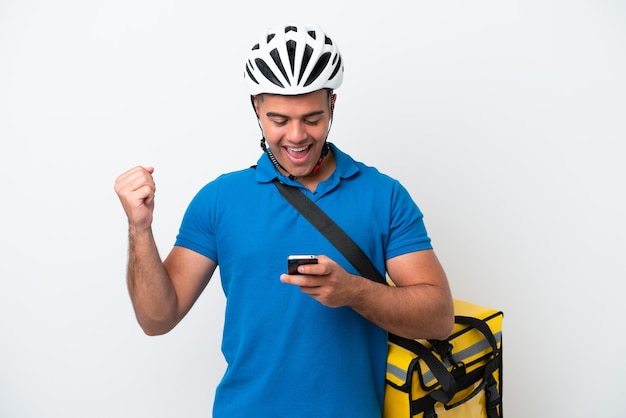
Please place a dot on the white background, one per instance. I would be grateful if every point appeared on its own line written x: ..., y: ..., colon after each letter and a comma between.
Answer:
x: 504, y: 119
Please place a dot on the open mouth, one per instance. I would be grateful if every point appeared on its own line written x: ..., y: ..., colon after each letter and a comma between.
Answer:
x: 299, y: 153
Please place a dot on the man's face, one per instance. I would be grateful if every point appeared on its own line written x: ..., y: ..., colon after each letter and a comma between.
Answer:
x: 295, y: 128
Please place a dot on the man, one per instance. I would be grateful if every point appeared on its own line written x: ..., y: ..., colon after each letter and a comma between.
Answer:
x: 311, y: 344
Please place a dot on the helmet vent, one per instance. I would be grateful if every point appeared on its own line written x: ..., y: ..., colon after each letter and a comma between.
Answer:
x: 267, y: 72
x: 308, y: 51
x: 337, y: 67
x: 250, y: 74
x: 319, y: 67
x: 291, y: 51
x: 276, y: 57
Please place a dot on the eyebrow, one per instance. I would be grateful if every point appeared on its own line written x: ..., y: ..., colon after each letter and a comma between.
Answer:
x: 278, y: 115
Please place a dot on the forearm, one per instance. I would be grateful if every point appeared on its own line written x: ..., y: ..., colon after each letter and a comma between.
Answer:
x: 415, y: 311
x: 150, y: 288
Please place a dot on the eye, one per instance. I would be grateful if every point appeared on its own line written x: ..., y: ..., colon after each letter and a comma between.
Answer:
x: 279, y: 122
x: 312, y: 122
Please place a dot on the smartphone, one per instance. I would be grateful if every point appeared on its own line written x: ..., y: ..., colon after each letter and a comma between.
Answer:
x: 293, y: 261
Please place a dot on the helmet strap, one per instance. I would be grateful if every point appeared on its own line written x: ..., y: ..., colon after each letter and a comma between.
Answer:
x: 273, y: 158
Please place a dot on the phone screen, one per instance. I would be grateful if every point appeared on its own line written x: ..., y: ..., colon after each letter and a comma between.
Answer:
x: 293, y: 261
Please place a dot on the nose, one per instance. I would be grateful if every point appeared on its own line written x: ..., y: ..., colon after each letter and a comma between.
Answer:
x: 297, y: 131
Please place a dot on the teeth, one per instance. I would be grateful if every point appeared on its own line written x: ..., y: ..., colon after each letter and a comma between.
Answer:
x: 298, y: 149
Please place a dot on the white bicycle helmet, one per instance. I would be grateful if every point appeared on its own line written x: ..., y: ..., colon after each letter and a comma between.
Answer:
x: 292, y: 60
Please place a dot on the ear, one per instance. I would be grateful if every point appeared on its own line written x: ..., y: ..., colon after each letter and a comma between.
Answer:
x: 333, y: 99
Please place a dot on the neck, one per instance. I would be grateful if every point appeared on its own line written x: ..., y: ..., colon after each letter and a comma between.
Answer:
x: 326, y: 168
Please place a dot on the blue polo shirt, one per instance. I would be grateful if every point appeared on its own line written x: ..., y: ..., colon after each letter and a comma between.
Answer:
x: 287, y: 354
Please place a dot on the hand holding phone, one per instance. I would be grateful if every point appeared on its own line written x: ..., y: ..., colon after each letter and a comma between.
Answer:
x: 293, y: 261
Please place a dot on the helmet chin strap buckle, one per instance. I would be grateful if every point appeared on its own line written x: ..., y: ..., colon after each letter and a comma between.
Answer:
x: 325, y: 150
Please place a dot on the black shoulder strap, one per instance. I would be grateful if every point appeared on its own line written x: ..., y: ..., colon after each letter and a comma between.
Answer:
x: 331, y: 231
